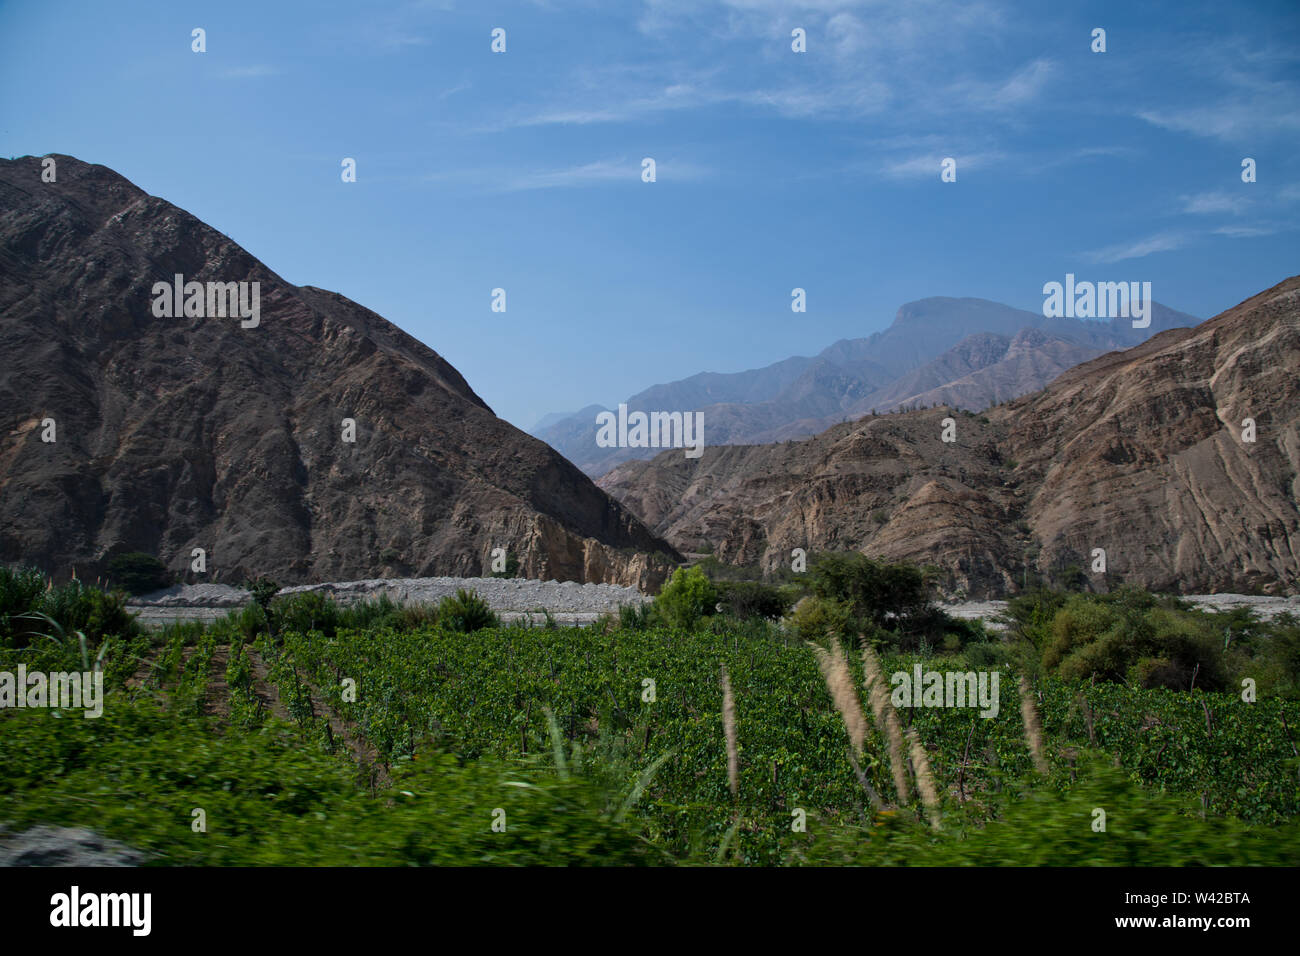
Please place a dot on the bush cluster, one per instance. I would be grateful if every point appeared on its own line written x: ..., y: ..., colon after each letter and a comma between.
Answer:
x: 138, y: 573
x: 1131, y: 636
x: 31, y: 607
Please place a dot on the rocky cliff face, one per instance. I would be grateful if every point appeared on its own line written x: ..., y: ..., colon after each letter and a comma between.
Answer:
x: 1138, y: 453
x: 183, y: 432
x: 887, y: 485
x: 981, y: 371
x: 1141, y: 453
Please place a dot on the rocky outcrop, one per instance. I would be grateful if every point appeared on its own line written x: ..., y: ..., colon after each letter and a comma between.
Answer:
x: 176, y: 433
x: 1139, y: 453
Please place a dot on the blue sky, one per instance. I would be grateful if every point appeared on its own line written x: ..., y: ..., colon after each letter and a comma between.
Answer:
x: 820, y: 170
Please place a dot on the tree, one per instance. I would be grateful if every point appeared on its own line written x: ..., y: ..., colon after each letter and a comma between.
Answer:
x: 138, y: 573
x: 879, y: 595
x: 688, y: 596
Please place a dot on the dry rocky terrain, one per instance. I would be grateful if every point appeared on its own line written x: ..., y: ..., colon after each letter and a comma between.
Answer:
x: 195, y: 432
x: 1140, y: 453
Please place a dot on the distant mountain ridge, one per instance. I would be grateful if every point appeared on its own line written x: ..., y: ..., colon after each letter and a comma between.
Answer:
x: 967, y: 352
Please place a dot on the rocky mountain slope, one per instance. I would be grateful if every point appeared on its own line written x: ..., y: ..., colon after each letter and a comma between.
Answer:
x: 1138, y: 452
x: 197, y: 432
x: 982, y: 370
x: 971, y: 353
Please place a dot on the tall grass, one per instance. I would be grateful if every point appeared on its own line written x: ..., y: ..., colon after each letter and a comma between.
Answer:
x: 886, y: 720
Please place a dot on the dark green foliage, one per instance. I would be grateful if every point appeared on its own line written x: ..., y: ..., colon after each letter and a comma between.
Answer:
x: 817, y: 618
x: 1268, y: 654
x: 1071, y: 578
x: 466, y: 612
x: 138, y: 573
x: 262, y: 590
x: 1126, y: 636
x: 889, y: 598
x: 29, y: 603
x: 1033, y: 612
x: 747, y: 599
x: 989, y: 655
x: 306, y: 611
x: 636, y: 617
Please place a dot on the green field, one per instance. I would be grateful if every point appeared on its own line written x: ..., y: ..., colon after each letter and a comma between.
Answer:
x: 384, y: 738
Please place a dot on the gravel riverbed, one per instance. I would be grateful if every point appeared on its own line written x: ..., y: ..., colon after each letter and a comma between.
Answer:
x: 514, y: 599
x: 518, y: 599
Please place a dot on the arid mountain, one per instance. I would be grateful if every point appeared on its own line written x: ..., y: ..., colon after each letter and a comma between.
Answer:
x: 971, y: 353
x: 982, y: 370
x: 1139, y: 453
x: 184, y: 432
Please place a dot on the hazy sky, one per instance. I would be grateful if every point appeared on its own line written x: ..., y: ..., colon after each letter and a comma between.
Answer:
x: 775, y: 169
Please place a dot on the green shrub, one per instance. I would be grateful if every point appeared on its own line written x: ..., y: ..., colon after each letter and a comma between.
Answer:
x: 371, y: 612
x: 29, y: 602
x: 250, y: 621
x: 989, y: 655
x: 414, y: 616
x: 305, y: 612
x: 138, y: 573
x: 816, y: 618
x: 262, y: 590
x: 638, y: 617
x: 466, y: 612
x: 1071, y: 577
x: 20, y: 593
x: 1130, y: 637
x: 1033, y: 612
x: 688, y: 596
x: 892, y: 598
x: 746, y: 599
x: 1268, y: 654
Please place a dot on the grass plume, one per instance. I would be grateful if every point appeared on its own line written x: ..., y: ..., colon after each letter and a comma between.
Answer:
x: 839, y: 681
x: 924, y: 778
x: 729, y: 727
x: 886, y: 719
x: 1033, y: 728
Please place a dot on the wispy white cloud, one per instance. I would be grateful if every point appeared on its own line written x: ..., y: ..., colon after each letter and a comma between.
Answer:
x: 1169, y: 241
x: 1023, y: 86
x: 1251, y: 232
x: 1214, y: 202
x: 598, y: 173
x: 405, y: 25
x: 1226, y: 121
x: 928, y: 166
x: 1137, y: 249
x: 866, y: 58
x: 605, y: 171
x: 1251, y: 105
